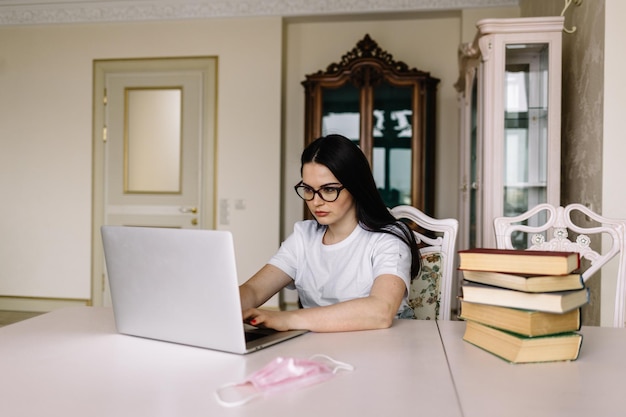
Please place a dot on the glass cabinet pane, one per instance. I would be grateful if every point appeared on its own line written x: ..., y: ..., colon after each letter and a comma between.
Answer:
x: 525, y: 128
x: 341, y: 111
x: 392, y: 133
x: 472, y: 185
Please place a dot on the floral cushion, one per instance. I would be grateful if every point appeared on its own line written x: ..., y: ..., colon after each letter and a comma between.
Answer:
x: 424, y: 293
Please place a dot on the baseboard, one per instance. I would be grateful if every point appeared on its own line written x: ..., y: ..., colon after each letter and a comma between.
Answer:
x: 39, y: 304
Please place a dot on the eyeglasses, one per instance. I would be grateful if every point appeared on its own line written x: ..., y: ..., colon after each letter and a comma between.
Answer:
x: 328, y: 192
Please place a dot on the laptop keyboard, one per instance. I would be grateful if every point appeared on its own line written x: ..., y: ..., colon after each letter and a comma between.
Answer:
x: 254, y: 334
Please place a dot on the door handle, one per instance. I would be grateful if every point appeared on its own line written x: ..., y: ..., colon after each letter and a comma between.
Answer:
x: 193, y: 210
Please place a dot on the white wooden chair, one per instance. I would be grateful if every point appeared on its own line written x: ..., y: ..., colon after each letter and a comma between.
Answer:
x: 431, y: 291
x: 552, y: 234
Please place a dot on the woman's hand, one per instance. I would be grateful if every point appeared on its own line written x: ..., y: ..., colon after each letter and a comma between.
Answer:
x: 277, y: 320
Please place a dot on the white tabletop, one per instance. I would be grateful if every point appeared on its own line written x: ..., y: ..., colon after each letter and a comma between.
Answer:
x: 72, y: 362
x: 591, y: 386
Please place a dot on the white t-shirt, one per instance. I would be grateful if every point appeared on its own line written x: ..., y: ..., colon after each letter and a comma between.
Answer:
x: 328, y: 274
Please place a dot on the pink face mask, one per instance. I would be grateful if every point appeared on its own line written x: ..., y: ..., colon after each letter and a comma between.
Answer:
x: 279, y: 375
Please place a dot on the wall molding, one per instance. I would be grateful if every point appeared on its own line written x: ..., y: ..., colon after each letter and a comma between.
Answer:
x: 39, y: 304
x: 95, y: 11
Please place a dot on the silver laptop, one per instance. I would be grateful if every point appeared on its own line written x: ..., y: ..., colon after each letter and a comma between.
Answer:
x: 180, y: 286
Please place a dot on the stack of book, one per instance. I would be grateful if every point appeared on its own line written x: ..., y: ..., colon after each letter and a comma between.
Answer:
x: 523, y: 306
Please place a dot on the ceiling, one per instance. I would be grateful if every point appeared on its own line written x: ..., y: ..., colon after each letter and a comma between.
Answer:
x: 30, y: 12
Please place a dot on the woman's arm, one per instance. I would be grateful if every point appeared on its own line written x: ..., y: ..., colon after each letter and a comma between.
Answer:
x: 262, y: 286
x: 375, y: 311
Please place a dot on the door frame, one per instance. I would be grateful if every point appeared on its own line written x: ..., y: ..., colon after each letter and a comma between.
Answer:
x: 101, y: 68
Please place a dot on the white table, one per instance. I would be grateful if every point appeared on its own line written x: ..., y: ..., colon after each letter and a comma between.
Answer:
x: 591, y: 386
x: 71, y: 362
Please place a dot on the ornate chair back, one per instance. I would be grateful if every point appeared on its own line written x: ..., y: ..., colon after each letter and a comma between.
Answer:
x: 430, y: 294
x: 552, y: 232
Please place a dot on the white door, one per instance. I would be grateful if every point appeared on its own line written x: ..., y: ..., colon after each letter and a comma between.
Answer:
x: 152, y: 150
x: 156, y: 149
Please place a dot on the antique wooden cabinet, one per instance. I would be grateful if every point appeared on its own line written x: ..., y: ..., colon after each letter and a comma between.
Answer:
x: 510, y: 141
x: 389, y: 110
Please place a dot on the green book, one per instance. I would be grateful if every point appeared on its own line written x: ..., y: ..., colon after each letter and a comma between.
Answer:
x: 516, y: 348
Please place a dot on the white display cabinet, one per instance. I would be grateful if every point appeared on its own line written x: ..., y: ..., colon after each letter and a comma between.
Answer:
x: 510, y: 101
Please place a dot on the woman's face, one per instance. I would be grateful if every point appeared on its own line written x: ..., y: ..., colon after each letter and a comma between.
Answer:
x: 338, y: 212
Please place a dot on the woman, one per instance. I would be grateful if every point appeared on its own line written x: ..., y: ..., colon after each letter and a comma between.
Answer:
x: 352, y: 265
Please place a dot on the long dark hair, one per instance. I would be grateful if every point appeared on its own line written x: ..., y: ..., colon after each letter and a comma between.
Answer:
x: 350, y: 166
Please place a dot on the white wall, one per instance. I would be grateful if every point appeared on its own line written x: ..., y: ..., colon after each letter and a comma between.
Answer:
x: 46, y: 116
x: 614, y: 141
x: 46, y: 151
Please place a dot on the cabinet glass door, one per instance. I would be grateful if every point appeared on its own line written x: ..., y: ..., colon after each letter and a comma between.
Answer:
x: 472, y: 184
x: 392, y: 135
x: 525, y: 129
x: 340, y: 107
